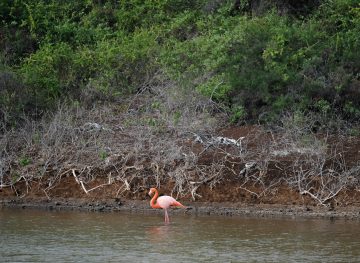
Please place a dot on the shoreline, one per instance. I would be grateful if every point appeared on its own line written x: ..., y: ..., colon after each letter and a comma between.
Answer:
x: 226, y: 209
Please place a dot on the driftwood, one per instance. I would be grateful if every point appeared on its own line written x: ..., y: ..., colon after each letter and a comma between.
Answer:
x: 80, y: 182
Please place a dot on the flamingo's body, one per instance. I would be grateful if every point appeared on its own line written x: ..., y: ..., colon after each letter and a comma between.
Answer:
x: 163, y: 202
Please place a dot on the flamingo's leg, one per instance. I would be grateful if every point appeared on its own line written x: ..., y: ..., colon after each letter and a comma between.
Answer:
x: 166, y: 217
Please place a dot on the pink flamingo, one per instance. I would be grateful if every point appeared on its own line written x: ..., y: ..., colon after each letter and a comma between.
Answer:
x: 163, y: 202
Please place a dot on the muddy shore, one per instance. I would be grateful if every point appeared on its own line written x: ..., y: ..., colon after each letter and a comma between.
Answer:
x: 193, y: 208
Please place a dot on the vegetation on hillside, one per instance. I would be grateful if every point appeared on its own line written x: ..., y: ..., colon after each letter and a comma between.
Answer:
x: 256, y: 59
x: 136, y: 91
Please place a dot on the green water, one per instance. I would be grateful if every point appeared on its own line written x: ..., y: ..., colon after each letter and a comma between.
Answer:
x: 53, y: 236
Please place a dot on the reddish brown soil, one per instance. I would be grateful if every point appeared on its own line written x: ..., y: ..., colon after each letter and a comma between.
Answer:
x: 227, y: 191
x: 225, y: 197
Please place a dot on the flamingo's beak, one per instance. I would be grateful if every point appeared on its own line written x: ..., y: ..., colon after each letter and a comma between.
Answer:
x: 150, y: 193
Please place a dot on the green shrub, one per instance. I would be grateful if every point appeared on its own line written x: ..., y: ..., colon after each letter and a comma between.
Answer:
x: 238, y: 113
x: 48, y: 74
x: 323, y: 106
x: 260, y: 62
x: 103, y: 155
x: 24, y: 161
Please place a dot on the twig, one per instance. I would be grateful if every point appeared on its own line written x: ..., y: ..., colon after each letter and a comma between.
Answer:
x: 79, y: 182
x: 83, y: 186
x: 46, y: 194
x: 127, y: 187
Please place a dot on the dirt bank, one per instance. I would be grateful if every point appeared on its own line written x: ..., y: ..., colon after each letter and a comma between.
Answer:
x: 239, y: 171
x: 226, y: 200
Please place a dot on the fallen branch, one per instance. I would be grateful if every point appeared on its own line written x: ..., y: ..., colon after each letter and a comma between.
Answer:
x: 83, y: 186
x: 79, y: 181
x: 251, y: 192
x: 127, y: 187
x: 193, y: 191
x: 47, y: 196
x: 322, y: 201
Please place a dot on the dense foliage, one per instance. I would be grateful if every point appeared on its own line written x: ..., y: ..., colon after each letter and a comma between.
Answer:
x: 257, y: 60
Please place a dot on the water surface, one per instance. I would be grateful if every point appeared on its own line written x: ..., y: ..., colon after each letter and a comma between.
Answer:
x: 53, y: 236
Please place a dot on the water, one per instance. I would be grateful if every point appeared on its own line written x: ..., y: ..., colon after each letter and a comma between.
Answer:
x: 43, y: 236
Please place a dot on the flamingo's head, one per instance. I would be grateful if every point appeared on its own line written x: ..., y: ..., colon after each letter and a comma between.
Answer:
x: 152, y: 190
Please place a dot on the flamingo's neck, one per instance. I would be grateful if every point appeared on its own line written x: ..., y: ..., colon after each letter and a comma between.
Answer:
x: 153, y: 200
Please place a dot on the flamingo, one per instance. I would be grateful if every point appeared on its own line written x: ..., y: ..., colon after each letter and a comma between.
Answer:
x: 163, y: 202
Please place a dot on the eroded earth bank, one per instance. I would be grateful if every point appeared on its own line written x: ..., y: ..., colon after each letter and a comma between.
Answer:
x: 108, y: 165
